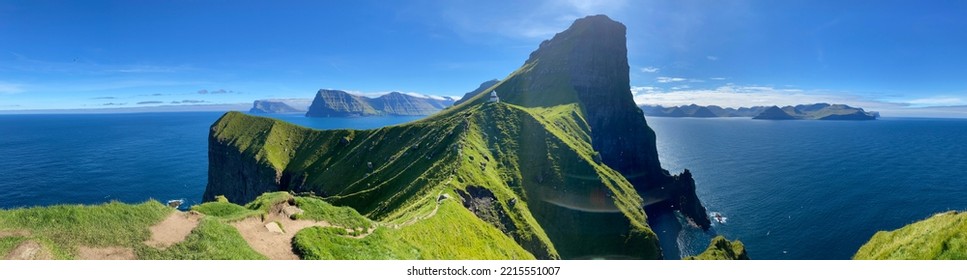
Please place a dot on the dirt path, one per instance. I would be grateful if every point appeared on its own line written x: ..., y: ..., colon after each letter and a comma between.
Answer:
x: 272, y: 237
x: 173, y: 229
x: 107, y: 253
x: 29, y: 250
x: 440, y: 200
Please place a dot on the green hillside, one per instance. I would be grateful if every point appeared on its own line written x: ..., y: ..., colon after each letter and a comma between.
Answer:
x: 523, y: 157
x: 941, y: 237
x: 557, y: 166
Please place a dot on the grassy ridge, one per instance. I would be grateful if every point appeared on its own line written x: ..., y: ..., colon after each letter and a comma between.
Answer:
x: 62, y: 228
x: 452, y: 233
x: 538, y: 159
x: 941, y: 237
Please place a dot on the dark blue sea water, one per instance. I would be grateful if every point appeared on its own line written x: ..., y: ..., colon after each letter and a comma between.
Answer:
x: 813, y: 189
x: 790, y: 189
x: 94, y: 158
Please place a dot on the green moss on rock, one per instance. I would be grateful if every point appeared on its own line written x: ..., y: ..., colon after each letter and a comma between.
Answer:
x: 722, y: 249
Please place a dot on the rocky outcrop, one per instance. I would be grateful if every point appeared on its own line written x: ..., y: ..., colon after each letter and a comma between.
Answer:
x: 722, y: 249
x: 337, y: 103
x: 279, y: 106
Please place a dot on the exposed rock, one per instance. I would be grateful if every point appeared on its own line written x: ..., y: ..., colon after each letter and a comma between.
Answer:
x: 273, y: 227
x: 291, y: 210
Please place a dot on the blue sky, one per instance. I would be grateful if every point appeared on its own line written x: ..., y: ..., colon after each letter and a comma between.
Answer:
x: 899, y: 57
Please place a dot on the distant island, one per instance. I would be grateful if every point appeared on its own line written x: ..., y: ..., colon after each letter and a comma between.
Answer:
x: 280, y: 106
x: 817, y: 111
x: 337, y: 103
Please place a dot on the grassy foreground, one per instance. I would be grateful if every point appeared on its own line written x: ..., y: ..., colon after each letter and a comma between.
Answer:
x: 941, y: 237
x: 62, y: 228
x: 437, y: 231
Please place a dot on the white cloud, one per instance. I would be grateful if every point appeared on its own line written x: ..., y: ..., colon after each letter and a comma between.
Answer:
x: 717, y: 78
x: 650, y: 69
x: 712, y: 58
x: 594, y: 6
x: 670, y: 79
x: 10, y: 88
x: 420, y: 95
x: 937, y: 101
x: 527, y: 20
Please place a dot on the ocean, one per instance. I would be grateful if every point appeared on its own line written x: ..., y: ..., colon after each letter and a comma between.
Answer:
x: 789, y: 189
x: 96, y: 158
x: 812, y: 189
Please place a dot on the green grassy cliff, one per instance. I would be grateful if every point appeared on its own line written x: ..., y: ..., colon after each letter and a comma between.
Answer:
x: 560, y: 165
x: 941, y: 237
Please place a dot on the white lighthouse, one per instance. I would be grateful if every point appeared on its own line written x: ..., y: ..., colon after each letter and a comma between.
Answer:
x: 493, y: 97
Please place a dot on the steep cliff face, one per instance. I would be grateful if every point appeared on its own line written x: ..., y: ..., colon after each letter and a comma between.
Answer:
x: 398, y: 104
x: 337, y: 103
x: 239, y: 173
x: 587, y: 64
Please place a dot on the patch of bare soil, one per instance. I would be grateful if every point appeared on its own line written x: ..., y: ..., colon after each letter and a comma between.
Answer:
x: 107, y: 253
x: 175, y: 228
x: 9, y: 233
x: 272, y: 237
x: 29, y: 250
